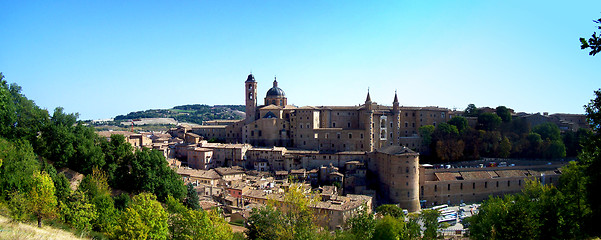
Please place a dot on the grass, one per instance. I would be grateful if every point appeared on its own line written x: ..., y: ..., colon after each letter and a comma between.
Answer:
x: 14, y: 230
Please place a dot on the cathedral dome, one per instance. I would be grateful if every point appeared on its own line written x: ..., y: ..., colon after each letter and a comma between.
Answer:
x: 275, y: 91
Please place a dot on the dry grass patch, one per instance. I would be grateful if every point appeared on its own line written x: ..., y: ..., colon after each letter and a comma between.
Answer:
x: 12, y: 230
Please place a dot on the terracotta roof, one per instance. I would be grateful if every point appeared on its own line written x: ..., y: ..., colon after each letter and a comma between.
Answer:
x: 211, y: 174
x: 396, y: 150
x: 475, y: 175
x: 512, y: 173
x: 447, y: 176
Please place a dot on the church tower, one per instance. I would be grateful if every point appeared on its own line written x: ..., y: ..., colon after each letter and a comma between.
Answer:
x: 250, y: 93
x: 396, y: 120
x: 369, y: 125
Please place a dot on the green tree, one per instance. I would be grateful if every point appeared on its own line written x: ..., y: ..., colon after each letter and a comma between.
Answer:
x: 18, y: 168
x: 41, y: 200
x: 362, y: 225
x: 430, y: 219
x: 471, y: 111
x: 265, y: 223
x: 185, y: 223
x: 151, y: 173
x: 145, y: 218
x: 389, y: 228
x: 548, y: 130
x: 192, y: 200
x: 594, y: 42
x: 459, y: 122
x: 425, y: 132
x: 78, y: 211
x: 293, y: 220
x: 390, y: 210
x: 62, y: 186
x: 489, y: 121
x: 504, y: 113
x: 590, y: 158
x: 504, y: 148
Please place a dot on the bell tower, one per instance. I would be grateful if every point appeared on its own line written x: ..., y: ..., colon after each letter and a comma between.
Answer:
x: 250, y: 94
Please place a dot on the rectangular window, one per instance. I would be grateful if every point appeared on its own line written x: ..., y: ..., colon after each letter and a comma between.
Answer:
x: 449, y: 187
x: 473, y: 185
x: 485, y: 184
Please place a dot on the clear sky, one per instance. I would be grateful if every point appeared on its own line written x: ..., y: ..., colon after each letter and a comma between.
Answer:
x: 105, y: 58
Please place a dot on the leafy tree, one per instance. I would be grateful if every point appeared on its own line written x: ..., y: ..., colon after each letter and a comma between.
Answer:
x: 265, y: 223
x: 122, y: 201
x: 151, y: 173
x: 430, y: 219
x: 17, y: 206
x: 293, y: 220
x: 145, y: 218
x: 554, y: 149
x: 62, y: 186
x: 78, y: 211
x: 88, y: 153
x: 594, y: 42
x: 41, y: 200
x: 98, y: 193
x: 362, y: 225
x: 390, y: 210
x: 57, y: 139
x: 389, y: 228
x: 185, y: 223
x: 489, y: 121
x: 192, y: 198
x: 471, y: 111
x: 7, y: 109
x: 18, y: 167
x: 425, y: 132
x: 503, y: 113
x: 548, y: 130
x: 504, y: 148
x: 118, y: 156
x: 459, y: 122
x: 591, y: 160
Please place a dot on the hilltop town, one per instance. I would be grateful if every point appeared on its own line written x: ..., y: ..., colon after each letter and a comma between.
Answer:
x: 350, y: 156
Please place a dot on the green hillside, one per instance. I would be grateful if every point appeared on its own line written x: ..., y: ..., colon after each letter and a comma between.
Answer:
x: 195, y: 113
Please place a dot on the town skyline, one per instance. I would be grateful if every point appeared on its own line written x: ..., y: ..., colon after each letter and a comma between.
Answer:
x: 104, y: 59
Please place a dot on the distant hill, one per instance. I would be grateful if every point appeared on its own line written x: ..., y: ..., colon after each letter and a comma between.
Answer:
x: 195, y: 113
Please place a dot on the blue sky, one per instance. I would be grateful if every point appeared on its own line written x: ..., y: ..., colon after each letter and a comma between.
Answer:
x: 105, y: 58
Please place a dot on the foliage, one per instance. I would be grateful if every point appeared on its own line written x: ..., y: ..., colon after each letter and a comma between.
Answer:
x: 489, y: 121
x: 362, y: 225
x: 18, y: 168
x: 196, y: 113
x: 425, y: 132
x: 151, y: 173
x: 471, y: 111
x: 430, y: 220
x: 41, y: 201
x: 390, y: 210
x: 504, y: 113
x: 122, y: 201
x: 548, y: 130
x: 594, y: 42
x: 185, y: 223
x: 293, y: 220
x: 192, y: 200
x: 539, y: 212
x: 62, y: 187
x: 459, y: 122
x: 389, y: 228
x: 145, y: 218
x: 78, y: 211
